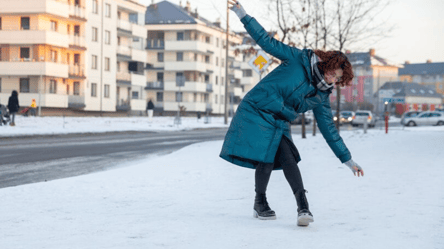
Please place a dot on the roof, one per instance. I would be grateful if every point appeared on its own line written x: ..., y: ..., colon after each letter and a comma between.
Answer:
x: 408, y: 89
x: 366, y: 60
x: 422, y: 69
x: 169, y: 13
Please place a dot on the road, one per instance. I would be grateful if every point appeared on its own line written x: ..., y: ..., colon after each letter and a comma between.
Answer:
x: 25, y: 160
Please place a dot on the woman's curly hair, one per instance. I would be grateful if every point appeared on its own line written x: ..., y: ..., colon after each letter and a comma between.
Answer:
x: 332, y: 60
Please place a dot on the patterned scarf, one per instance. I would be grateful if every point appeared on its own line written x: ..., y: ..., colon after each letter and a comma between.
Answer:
x: 318, y: 76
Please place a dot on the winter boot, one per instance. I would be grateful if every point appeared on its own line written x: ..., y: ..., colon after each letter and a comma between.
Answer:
x: 12, y: 124
x: 261, y: 208
x: 304, y: 215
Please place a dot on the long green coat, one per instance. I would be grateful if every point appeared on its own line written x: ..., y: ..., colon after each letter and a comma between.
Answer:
x: 264, y: 115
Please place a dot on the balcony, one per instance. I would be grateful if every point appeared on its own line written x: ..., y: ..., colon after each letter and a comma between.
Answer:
x: 77, y: 12
x: 155, y: 44
x: 190, y: 106
x: 154, y: 85
x: 76, y: 102
x: 188, y: 66
x: 34, y: 37
x: 123, y: 50
x: 32, y: 68
x: 77, y: 71
x: 209, y: 88
x: 189, y: 86
x: 124, y: 25
x: 76, y: 41
x: 53, y: 7
x: 189, y: 45
x: 123, y: 105
x: 247, y: 81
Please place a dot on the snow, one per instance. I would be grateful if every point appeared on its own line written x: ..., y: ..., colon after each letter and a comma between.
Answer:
x: 65, y: 125
x: 193, y: 199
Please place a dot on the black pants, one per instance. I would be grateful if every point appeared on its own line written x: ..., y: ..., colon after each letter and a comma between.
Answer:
x: 288, y: 163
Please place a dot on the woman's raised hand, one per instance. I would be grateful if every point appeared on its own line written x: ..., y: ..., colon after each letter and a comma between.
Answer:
x: 237, y: 8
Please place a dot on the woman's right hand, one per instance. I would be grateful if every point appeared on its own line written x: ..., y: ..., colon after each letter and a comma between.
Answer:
x: 237, y: 8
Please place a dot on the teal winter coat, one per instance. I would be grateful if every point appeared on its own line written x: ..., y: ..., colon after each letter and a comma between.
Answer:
x: 264, y: 114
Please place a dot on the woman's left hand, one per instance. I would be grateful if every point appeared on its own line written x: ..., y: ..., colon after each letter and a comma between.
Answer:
x: 355, y: 167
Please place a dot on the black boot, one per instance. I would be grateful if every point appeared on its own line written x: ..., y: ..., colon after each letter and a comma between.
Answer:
x: 261, y: 208
x: 304, y: 214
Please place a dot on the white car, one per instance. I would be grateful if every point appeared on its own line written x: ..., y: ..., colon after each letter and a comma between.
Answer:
x: 362, y: 117
x: 425, y: 118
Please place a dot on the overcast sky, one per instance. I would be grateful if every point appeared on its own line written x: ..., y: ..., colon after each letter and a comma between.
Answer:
x: 418, y: 35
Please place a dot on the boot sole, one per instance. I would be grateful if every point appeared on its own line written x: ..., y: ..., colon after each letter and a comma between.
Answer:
x: 304, y: 220
x: 256, y: 215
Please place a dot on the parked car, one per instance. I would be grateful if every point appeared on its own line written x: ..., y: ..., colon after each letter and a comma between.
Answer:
x: 346, y: 117
x: 362, y: 117
x: 409, y: 115
x: 425, y: 118
x: 298, y: 120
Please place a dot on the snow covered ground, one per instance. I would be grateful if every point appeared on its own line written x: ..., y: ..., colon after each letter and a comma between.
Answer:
x: 60, y: 125
x: 193, y: 199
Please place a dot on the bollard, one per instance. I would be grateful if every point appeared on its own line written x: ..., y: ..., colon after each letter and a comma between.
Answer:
x: 386, y: 118
x: 365, y: 125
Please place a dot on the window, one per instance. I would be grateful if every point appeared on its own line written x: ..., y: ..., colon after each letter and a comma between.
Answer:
x: 108, y: 10
x: 207, y: 59
x: 118, y: 66
x: 135, y: 95
x: 180, y: 79
x: 179, y: 96
x: 94, y: 34
x: 160, y: 57
x: 223, y: 63
x: 76, y: 59
x: 68, y: 29
x: 93, y: 89
x: 54, y: 26
x: 207, y: 39
x: 76, y: 88
x: 207, y: 78
x: 180, y: 36
x: 179, y: 56
x: 0, y: 23
x: 222, y: 99
x: 0, y: 85
x: 24, y: 53
x: 159, y: 96
x: 77, y: 30
x: 106, y: 91
x: 24, y: 85
x: 118, y: 40
x: 216, y: 79
x: 67, y: 89
x: 215, y: 98
x: 0, y: 54
x: 107, y: 63
x: 94, y: 62
x: 222, y: 82
x: 95, y: 8
x: 159, y: 77
x: 217, y: 42
x: 53, y: 56
x: 247, y: 73
x: 195, y: 57
x: 217, y: 61
x: 107, y: 37
x: 52, y: 86
x: 24, y: 23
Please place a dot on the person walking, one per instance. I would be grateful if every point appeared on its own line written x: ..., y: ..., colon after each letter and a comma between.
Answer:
x: 259, y: 135
x: 33, y: 107
x: 13, y: 106
x: 150, y: 110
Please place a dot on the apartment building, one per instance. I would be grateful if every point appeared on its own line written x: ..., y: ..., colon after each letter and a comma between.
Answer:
x: 429, y: 74
x: 74, y: 55
x: 186, y: 60
x: 42, y: 52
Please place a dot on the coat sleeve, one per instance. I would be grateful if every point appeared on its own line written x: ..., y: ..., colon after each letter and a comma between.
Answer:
x: 266, y: 42
x: 272, y: 102
x: 328, y: 129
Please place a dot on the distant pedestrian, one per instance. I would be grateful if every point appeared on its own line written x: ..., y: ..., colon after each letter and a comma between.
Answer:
x: 150, y: 110
x: 33, y: 107
x: 13, y: 106
x: 198, y: 116
x: 259, y: 136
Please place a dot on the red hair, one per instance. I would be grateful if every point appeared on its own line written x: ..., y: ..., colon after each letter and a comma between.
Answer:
x: 332, y: 60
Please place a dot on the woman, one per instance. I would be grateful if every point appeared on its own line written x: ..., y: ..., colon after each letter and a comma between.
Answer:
x: 259, y: 136
x: 13, y: 106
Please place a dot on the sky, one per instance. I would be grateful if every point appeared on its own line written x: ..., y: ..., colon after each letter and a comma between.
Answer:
x: 417, y: 36
x: 192, y: 199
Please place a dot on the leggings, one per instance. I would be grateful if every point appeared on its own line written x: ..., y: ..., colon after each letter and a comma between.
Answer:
x: 288, y: 162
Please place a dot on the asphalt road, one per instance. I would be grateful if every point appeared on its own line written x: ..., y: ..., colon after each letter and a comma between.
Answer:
x: 25, y: 160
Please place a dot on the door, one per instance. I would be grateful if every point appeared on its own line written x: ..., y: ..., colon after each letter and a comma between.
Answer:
x: 423, y: 119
